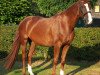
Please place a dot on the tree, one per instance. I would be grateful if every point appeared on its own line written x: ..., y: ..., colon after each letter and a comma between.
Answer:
x: 93, y: 3
x: 50, y: 7
x: 12, y: 11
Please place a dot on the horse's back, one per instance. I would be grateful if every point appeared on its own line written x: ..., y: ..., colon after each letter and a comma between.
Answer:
x: 26, y: 24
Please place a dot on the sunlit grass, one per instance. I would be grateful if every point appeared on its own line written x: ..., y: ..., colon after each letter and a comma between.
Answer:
x: 45, y: 68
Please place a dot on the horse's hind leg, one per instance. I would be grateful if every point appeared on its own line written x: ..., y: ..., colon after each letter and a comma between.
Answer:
x: 31, y: 52
x: 23, y: 47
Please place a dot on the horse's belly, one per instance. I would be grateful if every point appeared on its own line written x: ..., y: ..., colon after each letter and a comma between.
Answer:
x: 42, y: 40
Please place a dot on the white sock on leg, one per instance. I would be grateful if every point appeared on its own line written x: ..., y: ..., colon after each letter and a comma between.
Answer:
x: 30, y: 70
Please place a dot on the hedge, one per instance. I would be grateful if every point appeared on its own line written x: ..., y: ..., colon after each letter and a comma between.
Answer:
x: 86, y: 44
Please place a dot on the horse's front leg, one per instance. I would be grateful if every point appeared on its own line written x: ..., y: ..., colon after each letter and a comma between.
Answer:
x: 31, y: 52
x: 56, y: 55
x: 63, y: 56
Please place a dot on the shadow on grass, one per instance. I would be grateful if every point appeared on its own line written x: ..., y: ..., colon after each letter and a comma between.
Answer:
x: 82, y: 57
x: 88, y: 56
x: 44, y: 68
x: 82, y: 65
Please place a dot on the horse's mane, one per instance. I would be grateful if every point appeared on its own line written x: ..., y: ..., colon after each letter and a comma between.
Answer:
x: 72, y: 5
x: 67, y: 8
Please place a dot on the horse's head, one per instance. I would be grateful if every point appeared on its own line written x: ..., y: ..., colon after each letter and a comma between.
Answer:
x: 85, y: 11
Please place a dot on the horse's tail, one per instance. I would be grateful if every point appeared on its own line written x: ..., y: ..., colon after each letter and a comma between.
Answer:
x: 10, y: 59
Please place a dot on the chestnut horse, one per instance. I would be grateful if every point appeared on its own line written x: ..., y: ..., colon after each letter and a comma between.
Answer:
x: 56, y: 31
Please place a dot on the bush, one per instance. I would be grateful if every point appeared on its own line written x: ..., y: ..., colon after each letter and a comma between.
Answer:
x: 86, y: 45
x: 14, y: 10
x: 51, y: 7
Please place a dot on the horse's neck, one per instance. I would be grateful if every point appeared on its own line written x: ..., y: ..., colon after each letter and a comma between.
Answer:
x: 68, y: 19
x: 72, y: 15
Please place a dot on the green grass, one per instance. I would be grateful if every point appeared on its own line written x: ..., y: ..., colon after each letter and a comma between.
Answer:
x: 45, y: 68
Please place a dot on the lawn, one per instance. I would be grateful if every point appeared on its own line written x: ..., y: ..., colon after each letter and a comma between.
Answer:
x: 72, y: 67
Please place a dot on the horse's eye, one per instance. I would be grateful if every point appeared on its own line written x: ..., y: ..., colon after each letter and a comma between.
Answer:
x: 89, y: 2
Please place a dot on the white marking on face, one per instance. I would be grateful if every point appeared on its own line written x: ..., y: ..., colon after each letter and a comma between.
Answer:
x: 30, y: 70
x: 89, y: 14
x: 61, y: 72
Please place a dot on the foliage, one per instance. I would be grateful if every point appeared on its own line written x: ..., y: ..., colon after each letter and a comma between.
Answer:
x: 13, y: 11
x: 86, y: 45
x: 50, y: 7
x: 93, y: 3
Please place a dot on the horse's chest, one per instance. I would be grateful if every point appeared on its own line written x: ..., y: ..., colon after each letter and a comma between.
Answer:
x: 62, y: 37
x: 66, y: 38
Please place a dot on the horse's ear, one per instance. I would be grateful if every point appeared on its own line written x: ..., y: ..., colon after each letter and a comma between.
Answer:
x: 85, y: 0
x: 81, y: 2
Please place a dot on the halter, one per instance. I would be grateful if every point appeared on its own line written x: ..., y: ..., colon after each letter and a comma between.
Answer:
x: 86, y: 13
x: 84, y: 19
x: 83, y: 14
